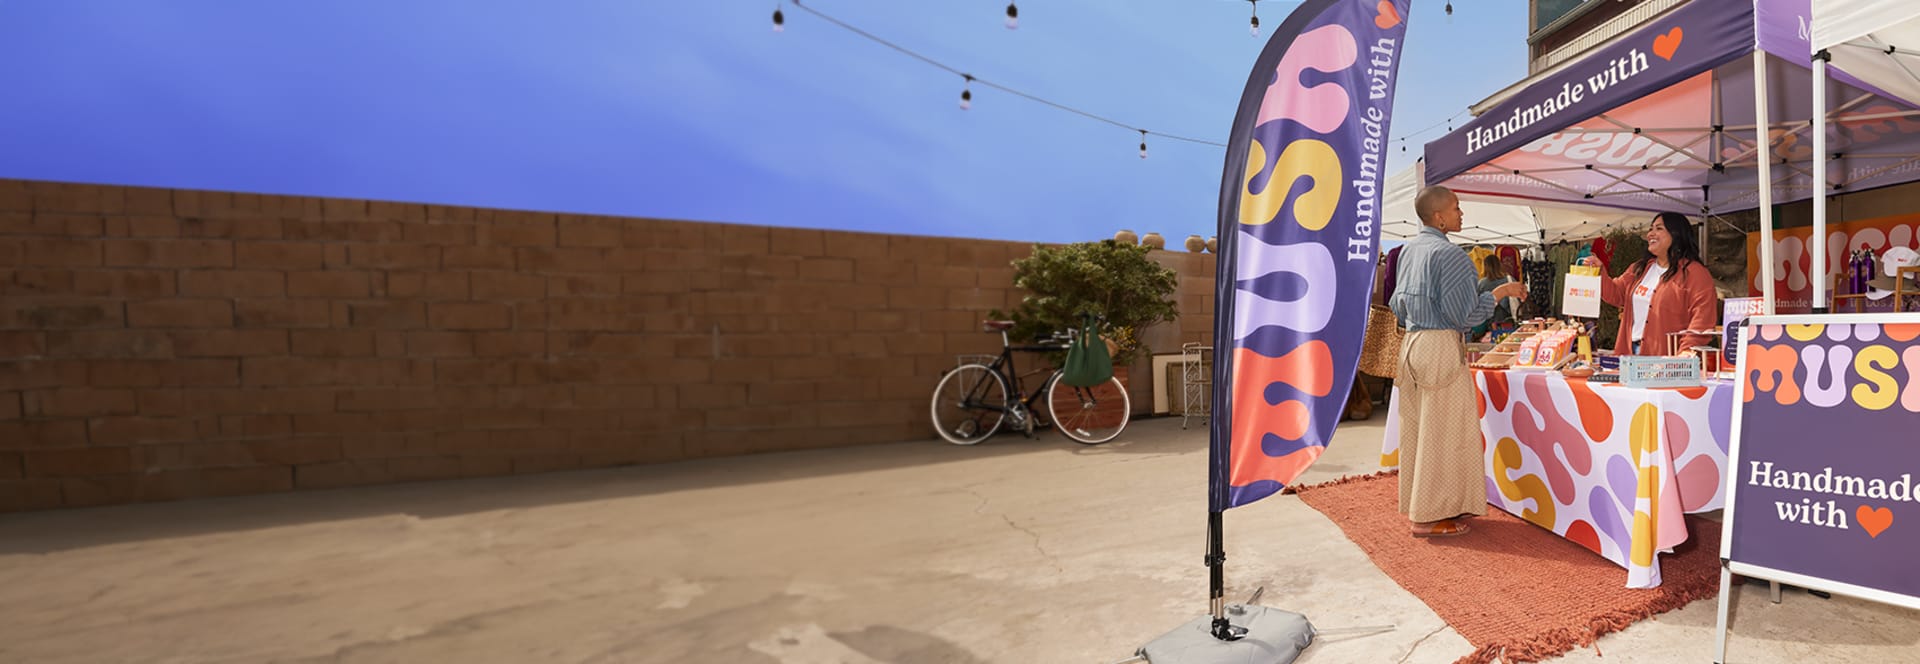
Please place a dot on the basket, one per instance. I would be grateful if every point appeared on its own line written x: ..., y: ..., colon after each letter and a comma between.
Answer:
x: 1380, y: 349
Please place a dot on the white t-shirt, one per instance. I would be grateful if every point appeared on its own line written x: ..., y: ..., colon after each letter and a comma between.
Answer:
x: 1643, y: 298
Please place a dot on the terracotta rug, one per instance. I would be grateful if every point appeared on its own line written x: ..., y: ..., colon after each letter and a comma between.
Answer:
x: 1517, y: 592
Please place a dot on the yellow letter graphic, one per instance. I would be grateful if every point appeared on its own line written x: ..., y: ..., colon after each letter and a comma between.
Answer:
x: 1870, y: 364
x: 1304, y: 158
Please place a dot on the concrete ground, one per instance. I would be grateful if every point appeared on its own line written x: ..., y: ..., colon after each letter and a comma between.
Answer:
x: 1015, y: 550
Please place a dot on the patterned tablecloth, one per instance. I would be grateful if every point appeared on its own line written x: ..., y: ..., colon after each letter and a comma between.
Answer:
x: 1610, y: 467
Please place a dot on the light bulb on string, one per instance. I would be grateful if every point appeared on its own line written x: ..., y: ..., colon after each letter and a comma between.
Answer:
x: 966, y: 93
x: 779, y: 20
x: 1255, y: 21
x: 1143, y: 144
x: 1013, y: 16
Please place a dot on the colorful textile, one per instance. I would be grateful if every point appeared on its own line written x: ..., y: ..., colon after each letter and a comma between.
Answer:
x: 1609, y: 467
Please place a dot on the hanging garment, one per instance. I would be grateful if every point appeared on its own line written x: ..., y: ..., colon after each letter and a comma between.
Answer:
x: 1393, y: 273
x: 1479, y: 256
x: 1510, y: 260
x: 1604, y: 250
x: 1540, y: 280
x: 1562, y: 257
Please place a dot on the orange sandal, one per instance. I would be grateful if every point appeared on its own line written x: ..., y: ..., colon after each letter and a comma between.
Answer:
x: 1441, y: 528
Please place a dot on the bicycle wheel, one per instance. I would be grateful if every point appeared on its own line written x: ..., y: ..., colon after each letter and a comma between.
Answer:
x: 1089, y: 415
x: 969, y: 404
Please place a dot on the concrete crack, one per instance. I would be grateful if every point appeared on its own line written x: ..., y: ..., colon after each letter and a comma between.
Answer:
x: 982, y: 509
x: 1423, y: 639
x: 1036, y: 543
x: 1146, y: 457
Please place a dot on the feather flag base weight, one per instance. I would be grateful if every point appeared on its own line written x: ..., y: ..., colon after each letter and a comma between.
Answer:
x: 1271, y: 635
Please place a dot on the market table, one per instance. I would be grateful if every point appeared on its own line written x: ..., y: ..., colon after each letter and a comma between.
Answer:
x: 1610, y: 467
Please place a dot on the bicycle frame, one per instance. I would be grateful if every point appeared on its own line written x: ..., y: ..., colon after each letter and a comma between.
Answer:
x: 1000, y: 399
x: 1004, y: 367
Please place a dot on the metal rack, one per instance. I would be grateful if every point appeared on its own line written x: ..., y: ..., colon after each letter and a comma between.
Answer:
x: 1196, y: 383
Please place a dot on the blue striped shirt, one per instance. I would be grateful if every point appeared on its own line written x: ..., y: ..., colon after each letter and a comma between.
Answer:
x: 1437, y: 287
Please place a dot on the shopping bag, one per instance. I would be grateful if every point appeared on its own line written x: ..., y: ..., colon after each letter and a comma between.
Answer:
x: 1088, y: 362
x: 1581, y: 296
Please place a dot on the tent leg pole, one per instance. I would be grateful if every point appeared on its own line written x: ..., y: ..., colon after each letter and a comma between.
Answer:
x: 1763, y: 137
x: 1820, y: 159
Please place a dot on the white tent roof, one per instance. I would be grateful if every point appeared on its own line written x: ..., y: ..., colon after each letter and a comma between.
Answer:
x: 1498, y: 220
x: 1876, y: 41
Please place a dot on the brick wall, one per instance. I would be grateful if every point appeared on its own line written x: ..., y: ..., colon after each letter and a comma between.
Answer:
x: 164, y: 344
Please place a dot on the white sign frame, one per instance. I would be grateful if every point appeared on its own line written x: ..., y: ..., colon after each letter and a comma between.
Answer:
x: 1730, y: 567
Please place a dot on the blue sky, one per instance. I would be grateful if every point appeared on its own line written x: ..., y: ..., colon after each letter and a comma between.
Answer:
x: 685, y: 109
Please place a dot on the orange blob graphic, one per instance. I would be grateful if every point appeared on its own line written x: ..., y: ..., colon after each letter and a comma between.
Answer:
x: 1582, y: 533
x: 1307, y: 368
x: 1595, y: 416
x: 1902, y: 331
x: 1496, y: 389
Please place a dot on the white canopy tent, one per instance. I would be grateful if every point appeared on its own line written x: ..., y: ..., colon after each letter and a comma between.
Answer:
x: 1499, y: 219
x: 1878, y: 43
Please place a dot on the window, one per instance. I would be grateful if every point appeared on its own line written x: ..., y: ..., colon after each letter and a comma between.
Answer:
x: 1545, y: 12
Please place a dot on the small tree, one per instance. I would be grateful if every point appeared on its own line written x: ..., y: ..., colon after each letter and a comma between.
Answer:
x: 1108, y: 279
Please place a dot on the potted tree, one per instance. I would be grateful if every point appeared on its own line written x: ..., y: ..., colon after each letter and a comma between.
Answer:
x: 1111, y: 280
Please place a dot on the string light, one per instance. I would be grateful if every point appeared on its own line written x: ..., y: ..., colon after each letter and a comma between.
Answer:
x: 1143, y: 144
x: 779, y: 20
x: 1256, y: 18
x: 1013, y: 16
x: 966, y: 93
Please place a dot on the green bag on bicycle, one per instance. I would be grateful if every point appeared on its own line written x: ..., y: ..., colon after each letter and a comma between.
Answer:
x: 1088, y: 363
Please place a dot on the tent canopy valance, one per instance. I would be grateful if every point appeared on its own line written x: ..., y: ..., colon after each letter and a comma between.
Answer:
x: 1499, y: 219
x: 1664, y: 119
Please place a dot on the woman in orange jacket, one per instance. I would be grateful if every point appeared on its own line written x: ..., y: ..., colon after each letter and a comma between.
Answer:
x: 1668, y: 291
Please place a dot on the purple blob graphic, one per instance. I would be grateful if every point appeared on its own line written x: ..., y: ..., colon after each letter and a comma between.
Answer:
x: 1624, y: 482
x: 1606, y: 519
x: 1720, y: 416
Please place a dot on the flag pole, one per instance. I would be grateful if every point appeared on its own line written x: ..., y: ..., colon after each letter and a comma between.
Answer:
x: 1217, y: 580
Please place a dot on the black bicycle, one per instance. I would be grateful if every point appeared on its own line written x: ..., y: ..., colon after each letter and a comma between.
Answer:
x: 972, y: 400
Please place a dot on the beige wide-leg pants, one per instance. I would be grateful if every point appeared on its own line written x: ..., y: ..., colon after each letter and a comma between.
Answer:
x: 1442, y: 471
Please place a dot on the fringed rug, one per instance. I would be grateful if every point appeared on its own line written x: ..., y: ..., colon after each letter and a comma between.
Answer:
x: 1517, y: 592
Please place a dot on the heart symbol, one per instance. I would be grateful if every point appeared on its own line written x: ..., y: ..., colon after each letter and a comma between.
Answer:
x: 1876, y: 521
x: 1388, y: 17
x: 1665, y: 45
